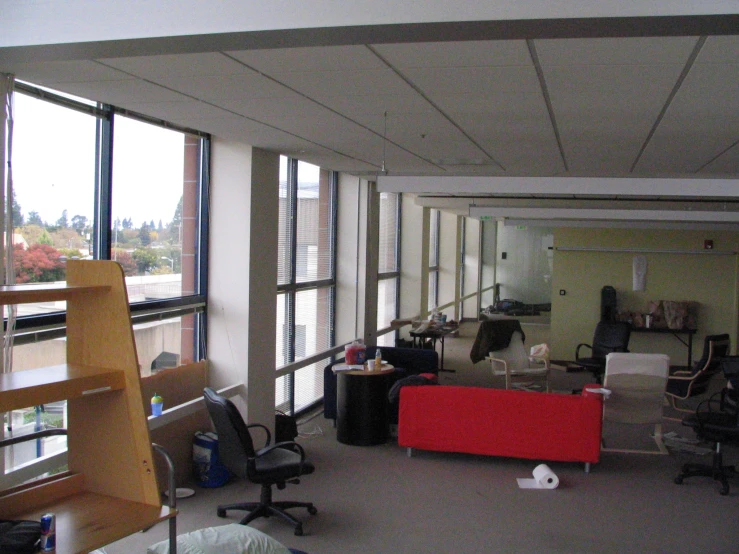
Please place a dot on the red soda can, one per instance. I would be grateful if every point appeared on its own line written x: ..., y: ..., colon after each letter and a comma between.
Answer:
x: 48, y: 533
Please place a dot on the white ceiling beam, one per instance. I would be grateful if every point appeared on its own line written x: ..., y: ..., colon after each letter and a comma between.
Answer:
x: 562, y: 186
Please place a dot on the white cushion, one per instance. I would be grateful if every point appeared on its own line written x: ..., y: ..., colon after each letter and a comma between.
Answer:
x: 225, y: 539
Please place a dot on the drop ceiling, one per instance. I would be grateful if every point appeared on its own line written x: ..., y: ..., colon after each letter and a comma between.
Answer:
x: 641, y: 98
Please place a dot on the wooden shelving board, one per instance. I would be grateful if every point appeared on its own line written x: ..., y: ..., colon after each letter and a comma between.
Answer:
x: 86, y: 521
x: 26, y: 294
x: 32, y: 387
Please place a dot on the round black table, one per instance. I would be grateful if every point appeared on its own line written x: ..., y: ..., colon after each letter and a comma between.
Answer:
x: 362, y: 417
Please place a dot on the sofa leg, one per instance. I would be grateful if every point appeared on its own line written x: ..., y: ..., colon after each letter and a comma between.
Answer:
x: 409, y: 450
x: 587, y: 467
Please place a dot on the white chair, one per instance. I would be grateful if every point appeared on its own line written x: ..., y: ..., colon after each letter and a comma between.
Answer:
x: 519, y: 369
x: 637, y: 383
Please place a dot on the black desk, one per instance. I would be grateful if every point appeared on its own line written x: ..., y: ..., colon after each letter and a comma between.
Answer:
x: 433, y: 334
x: 675, y: 333
x: 362, y: 407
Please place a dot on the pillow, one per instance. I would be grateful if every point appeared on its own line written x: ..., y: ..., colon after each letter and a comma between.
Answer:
x: 232, y: 539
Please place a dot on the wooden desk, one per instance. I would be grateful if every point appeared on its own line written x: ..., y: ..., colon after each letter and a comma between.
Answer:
x: 688, y: 342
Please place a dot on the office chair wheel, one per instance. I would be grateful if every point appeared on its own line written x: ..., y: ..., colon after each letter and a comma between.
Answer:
x: 220, y: 512
x: 299, y: 530
x: 679, y: 480
x: 312, y: 510
x: 724, y: 490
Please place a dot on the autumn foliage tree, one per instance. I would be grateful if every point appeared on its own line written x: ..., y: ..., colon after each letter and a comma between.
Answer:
x: 40, y: 263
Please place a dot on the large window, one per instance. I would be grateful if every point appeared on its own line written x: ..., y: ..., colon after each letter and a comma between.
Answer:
x: 305, y: 298
x: 91, y: 181
x: 388, y: 264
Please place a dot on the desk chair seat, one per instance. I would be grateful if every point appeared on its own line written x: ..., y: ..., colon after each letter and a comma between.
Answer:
x: 713, y: 421
x: 275, y: 464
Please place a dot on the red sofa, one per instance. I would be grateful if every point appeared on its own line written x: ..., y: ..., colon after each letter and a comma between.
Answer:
x: 498, y: 422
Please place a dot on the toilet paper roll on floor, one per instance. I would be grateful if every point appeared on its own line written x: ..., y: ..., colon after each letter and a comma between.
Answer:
x: 544, y: 478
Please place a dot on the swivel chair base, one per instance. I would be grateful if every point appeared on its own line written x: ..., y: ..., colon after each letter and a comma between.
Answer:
x: 266, y: 508
x: 717, y: 471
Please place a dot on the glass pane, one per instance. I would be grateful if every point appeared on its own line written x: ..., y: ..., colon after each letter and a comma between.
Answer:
x: 155, y: 209
x: 165, y: 343
x: 283, y: 335
x: 386, y: 299
x: 284, y: 228
x: 54, y: 191
x: 309, y: 384
x: 312, y: 321
x: 433, y: 286
x: 313, y: 248
x: 388, y: 246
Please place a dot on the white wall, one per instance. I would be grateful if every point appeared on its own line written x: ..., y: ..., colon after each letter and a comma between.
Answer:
x: 243, y: 273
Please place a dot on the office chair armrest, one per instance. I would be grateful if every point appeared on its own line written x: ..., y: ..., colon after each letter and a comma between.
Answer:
x: 266, y: 430
x: 682, y: 376
x: 577, y: 350
x: 290, y: 445
x: 499, y: 360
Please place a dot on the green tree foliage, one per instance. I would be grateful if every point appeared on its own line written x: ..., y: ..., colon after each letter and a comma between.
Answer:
x: 145, y: 259
x: 17, y: 215
x: 144, y: 236
x: 40, y: 263
x: 63, y: 222
x: 45, y: 238
x: 79, y: 224
x: 35, y: 219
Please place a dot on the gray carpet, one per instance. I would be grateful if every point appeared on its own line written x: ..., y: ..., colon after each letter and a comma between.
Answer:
x: 377, y: 500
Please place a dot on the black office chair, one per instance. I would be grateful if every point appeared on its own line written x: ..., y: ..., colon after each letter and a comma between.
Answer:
x: 716, y: 420
x: 609, y: 336
x: 687, y: 382
x: 277, y: 464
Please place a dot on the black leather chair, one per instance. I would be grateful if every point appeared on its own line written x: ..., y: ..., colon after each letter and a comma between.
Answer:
x: 609, y: 336
x: 276, y: 464
x: 687, y: 382
x: 715, y: 420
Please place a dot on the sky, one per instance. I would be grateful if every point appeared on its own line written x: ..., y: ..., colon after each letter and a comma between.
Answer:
x: 53, y: 165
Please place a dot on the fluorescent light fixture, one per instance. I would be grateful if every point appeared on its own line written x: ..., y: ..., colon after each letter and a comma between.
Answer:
x: 605, y: 215
x: 615, y: 224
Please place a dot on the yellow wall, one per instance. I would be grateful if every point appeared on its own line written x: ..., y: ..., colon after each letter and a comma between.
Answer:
x: 710, y: 280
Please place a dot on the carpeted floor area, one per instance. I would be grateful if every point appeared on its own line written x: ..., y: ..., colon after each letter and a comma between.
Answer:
x: 378, y: 500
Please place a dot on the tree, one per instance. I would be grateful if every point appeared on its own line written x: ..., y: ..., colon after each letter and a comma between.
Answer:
x: 144, y: 236
x: 145, y: 259
x: 127, y: 223
x: 40, y: 263
x: 126, y: 260
x: 35, y: 219
x: 17, y: 215
x: 63, y: 222
x: 79, y: 223
x: 45, y: 238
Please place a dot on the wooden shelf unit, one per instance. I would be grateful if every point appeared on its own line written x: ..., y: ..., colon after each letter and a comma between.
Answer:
x: 110, y: 489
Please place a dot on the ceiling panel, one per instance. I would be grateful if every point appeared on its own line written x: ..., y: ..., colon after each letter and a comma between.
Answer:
x: 207, y: 64
x: 455, y: 54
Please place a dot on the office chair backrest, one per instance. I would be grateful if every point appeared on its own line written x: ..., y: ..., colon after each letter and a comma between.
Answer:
x: 235, y: 445
x: 715, y: 347
x: 514, y: 354
x: 611, y: 336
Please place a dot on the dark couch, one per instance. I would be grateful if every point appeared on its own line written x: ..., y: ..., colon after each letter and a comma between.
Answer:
x: 407, y: 361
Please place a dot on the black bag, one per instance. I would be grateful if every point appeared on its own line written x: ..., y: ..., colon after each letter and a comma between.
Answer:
x: 286, y: 428
x: 19, y: 537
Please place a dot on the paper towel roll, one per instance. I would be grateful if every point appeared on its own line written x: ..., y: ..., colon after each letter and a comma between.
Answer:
x: 544, y: 478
